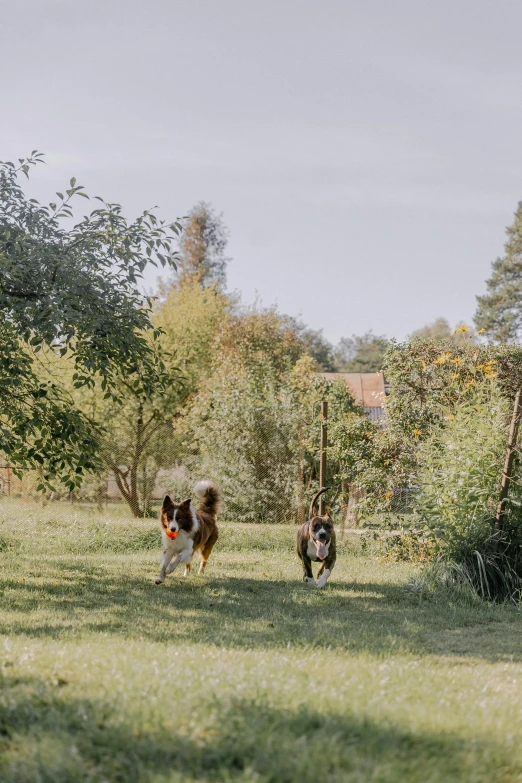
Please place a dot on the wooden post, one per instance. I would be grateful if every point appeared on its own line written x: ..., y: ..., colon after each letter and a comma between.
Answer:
x: 508, y: 462
x: 324, y: 446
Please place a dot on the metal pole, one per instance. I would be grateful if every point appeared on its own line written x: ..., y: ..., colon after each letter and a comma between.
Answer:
x: 508, y: 462
x: 324, y: 446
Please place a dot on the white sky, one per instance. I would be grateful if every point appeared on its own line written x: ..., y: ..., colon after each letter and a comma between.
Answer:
x: 366, y: 154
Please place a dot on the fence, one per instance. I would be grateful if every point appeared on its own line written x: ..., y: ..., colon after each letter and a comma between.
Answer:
x: 259, y: 461
x: 266, y: 462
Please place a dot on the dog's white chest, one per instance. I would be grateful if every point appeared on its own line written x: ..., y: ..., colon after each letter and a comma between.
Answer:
x: 179, y: 544
x: 311, y: 551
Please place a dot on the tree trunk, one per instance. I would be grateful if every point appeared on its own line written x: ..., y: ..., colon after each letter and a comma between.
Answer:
x: 356, y: 494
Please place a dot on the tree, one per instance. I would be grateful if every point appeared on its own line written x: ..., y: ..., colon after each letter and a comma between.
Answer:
x: 139, y: 438
x: 70, y: 291
x: 202, y: 247
x: 241, y: 429
x: 364, y: 353
x: 189, y: 317
x: 440, y: 329
x: 318, y: 347
x: 499, y: 311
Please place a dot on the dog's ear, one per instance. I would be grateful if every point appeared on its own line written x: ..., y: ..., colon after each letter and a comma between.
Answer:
x: 167, y: 502
x: 186, y: 503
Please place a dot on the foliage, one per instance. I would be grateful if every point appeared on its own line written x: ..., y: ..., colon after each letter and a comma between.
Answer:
x: 241, y: 427
x: 448, y: 413
x: 428, y: 379
x: 73, y: 291
x: 362, y: 353
x: 137, y: 435
x: 318, y: 347
x: 405, y: 545
x: 40, y: 428
x: 441, y: 330
x: 499, y: 311
x: 349, y: 430
x: 262, y: 340
x: 458, y: 483
x: 202, y: 248
x: 460, y: 463
x: 190, y: 316
x: 139, y: 439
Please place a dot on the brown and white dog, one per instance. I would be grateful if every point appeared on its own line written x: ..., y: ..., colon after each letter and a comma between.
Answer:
x: 316, y: 542
x: 185, y: 530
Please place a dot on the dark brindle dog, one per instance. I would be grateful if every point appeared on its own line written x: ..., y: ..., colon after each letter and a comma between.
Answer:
x: 316, y: 542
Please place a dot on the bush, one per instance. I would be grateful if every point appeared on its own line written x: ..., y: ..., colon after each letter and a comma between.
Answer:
x: 460, y: 468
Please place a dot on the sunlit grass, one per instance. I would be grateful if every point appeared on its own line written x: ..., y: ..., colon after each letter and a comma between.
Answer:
x: 246, y: 674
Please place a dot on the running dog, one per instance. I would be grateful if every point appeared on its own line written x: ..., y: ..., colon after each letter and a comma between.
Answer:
x: 316, y: 542
x: 185, y: 530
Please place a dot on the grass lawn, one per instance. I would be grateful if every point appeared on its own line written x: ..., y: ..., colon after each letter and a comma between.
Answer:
x: 246, y: 674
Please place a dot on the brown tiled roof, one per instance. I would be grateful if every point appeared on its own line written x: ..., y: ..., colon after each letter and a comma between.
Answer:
x: 367, y: 387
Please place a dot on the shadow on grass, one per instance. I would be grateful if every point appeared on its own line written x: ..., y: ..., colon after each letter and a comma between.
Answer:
x: 379, y: 618
x: 47, y: 735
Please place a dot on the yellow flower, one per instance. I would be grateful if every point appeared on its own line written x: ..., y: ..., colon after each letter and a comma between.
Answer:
x: 470, y: 383
x: 462, y: 328
x: 389, y: 494
x: 457, y: 360
x: 451, y: 417
x: 454, y: 375
x: 424, y: 365
x: 417, y: 432
x: 443, y: 358
x: 481, y: 331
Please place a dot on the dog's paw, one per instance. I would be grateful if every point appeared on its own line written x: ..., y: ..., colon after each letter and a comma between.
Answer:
x: 159, y: 581
x: 308, y: 580
x: 323, y: 579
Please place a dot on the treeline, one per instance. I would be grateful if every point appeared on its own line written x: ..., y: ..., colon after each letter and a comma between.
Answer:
x: 96, y: 378
x: 238, y: 405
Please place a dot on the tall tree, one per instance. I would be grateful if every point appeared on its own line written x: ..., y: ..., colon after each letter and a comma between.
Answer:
x: 202, y: 247
x: 499, y: 311
x: 71, y: 291
x: 361, y: 353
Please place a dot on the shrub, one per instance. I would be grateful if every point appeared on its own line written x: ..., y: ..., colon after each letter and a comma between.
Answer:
x: 459, y: 474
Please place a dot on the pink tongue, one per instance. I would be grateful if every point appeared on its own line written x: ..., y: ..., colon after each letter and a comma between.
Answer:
x: 321, y: 550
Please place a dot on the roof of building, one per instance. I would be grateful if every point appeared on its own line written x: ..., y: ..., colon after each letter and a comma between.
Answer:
x: 366, y: 387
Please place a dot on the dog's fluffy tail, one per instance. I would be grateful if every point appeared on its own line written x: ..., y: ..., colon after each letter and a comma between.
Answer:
x: 209, y: 496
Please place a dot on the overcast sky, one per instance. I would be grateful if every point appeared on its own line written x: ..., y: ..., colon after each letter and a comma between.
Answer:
x: 366, y: 155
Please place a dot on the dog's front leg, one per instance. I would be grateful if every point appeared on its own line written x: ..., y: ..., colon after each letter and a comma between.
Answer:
x: 165, y: 560
x: 307, y: 568
x: 175, y: 563
x: 325, y: 572
x: 184, y: 557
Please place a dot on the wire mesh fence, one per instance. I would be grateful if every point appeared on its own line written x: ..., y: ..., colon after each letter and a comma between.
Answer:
x: 259, y: 461
x: 261, y: 466
x: 265, y: 459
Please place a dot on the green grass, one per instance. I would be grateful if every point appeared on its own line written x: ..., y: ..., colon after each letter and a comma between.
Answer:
x: 245, y: 674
